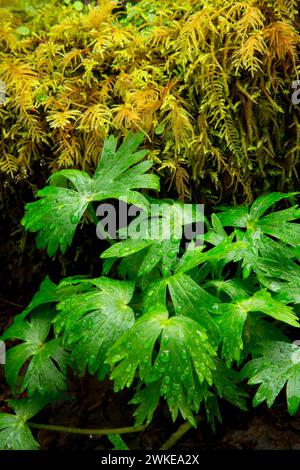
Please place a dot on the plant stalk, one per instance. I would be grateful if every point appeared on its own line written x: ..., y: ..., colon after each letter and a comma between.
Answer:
x: 90, y: 432
x: 181, y: 431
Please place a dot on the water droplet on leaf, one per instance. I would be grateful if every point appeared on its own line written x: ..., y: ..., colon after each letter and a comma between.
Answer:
x: 74, y: 218
x: 165, y: 357
x: 184, y: 355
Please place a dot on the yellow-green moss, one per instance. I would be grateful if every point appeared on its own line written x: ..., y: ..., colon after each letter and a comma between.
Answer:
x: 209, y: 82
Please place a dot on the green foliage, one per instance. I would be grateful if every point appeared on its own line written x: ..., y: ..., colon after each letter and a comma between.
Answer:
x: 184, y: 360
x: 117, y: 442
x: 278, y: 366
x: 173, y: 331
x: 46, y: 295
x: 46, y: 370
x: 191, y: 300
x: 14, y: 432
x: 259, y: 228
x: 93, y: 318
x: 59, y: 210
x: 208, y: 81
x: 280, y: 278
x: 234, y: 315
x: 161, y: 232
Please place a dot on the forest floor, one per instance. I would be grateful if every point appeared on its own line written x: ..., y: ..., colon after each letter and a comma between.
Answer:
x: 94, y: 404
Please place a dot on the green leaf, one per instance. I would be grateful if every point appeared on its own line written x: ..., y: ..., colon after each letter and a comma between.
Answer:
x: 232, y: 320
x: 226, y: 384
x: 259, y: 228
x: 15, y: 434
x: 47, y: 294
x: 241, y: 216
x: 233, y: 216
x: 289, y: 293
x: 262, y: 301
x: 196, y: 256
x: 281, y: 227
x: 125, y: 248
x: 231, y: 324
x: 147, y: 399
x: 183, y: 363
x: 47, y: 361
x: 117, y: 442
x: 155, y: 294
x: 233, y: 288
x: 283, y: 268
x: 184, y: 354
x: 119, y: 172
x: 92, y: 320
x: 216, y: 234
x: 191, y: 300
x: 161, y: 231
x: 135, y: 349
x: 257, y: 330
x: 55, y: 216
x: 58, y: 211
x: 264, y: 202
x: 212, y: 411
x: 129, y: 265
x: 278, y: 366
x: 165, y: 251
x: 281, y: 275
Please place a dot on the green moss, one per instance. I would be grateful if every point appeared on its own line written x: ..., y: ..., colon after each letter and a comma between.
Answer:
x: 209, y: 82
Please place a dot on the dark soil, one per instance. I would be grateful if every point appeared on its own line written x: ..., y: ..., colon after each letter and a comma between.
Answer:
x: 96, y: 406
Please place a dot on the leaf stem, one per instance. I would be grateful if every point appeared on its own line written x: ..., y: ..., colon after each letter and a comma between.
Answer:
x: 91, y: 432
x: 181, y: 431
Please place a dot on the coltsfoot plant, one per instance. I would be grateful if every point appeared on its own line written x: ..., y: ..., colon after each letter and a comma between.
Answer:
x: 208, y: 81
x: 179, y: 325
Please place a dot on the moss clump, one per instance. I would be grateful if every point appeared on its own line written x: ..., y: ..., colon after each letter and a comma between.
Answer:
x: 209, y: 82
